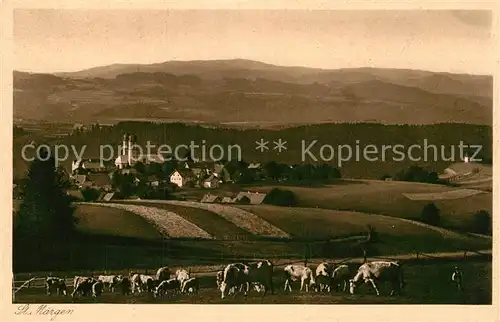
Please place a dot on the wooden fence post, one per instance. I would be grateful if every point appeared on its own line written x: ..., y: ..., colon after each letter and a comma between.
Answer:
x: 13, y: 288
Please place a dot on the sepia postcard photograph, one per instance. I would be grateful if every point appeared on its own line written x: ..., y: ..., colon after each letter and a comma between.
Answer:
x: 244, y: 156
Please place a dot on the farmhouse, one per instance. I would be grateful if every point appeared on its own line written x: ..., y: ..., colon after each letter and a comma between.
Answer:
x: 154, y: 181
x: 129, y: 171
x: 91, y: 165
x: 227, y: 200
x: 79, y: 179
x: 256, y: 198
x: 211, y: 182
x: 210, y: 198
x: 181, y: 177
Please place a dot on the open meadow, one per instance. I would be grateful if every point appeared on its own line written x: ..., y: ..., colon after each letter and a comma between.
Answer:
x: 387, y: 198
x: 114, y: 237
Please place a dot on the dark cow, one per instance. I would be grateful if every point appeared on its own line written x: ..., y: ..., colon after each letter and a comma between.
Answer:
x: 55, y: 283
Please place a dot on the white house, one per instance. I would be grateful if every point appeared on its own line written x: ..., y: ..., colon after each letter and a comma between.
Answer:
x: 181, y: 177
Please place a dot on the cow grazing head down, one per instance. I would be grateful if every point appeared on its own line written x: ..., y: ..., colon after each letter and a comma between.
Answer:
x: 379, y: 271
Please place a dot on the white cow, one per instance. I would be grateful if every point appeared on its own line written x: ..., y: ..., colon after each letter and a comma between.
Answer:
x: 182, y: 275
x: 379, y: 271
x: 190, y: 286
x: 110, y: 280
x: 164, y: 286
x: 299, y: 273
x: 341, y: 275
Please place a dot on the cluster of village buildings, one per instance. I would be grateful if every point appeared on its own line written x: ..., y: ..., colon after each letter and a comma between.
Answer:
x: 207, y: 175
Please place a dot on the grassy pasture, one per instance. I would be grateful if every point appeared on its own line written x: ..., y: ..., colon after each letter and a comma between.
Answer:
x: 426, y: 283
x: 168, y: 223
x: 386, y: 197
x: 206, y: 220
x: 112, y: 238
x: 396, y: 236
x: 109, y: 221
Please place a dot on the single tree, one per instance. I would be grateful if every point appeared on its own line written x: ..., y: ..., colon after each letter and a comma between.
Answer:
x: 45, y: 211
x: 431, y: 214
x: 481, y: 222
x: 45, y: 222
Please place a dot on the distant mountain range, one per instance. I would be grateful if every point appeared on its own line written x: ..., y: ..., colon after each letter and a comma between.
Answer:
x: 250, y: 92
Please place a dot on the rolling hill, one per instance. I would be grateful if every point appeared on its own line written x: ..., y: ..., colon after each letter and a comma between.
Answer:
x: 249, y: 92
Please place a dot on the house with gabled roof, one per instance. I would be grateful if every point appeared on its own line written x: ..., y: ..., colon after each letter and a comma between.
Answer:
x: 90, y: 165
x: 211, y: 182
x: 181, y: 177
x: 227, y: 200
x: 256, y: 198
x: 210, y: 198
x: 79, y: 179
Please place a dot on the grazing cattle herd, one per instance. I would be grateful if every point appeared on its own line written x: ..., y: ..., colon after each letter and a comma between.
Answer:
x: 241, y: 278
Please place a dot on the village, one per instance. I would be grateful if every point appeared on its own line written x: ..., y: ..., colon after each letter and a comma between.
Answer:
x: 151, y: 176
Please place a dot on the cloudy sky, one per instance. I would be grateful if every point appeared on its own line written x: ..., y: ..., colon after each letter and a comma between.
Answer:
x: 70, y: 40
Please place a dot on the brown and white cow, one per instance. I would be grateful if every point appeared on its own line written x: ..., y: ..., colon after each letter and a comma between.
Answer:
x: 299, y: 273
x: 172, y: 284
x: 235, y: 276
x: 219, y: 278
x: 324, y: 273
x: 182, y: 275
x: 55, y: 283
x: 191, y: 285
x: 83, y: 285
x: 110, y: 281
x: 380, y: 271
x: 97, y: 288
x: 163, y: 273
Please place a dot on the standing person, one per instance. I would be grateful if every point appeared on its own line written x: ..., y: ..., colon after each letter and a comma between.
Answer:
x: 457, y: 277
